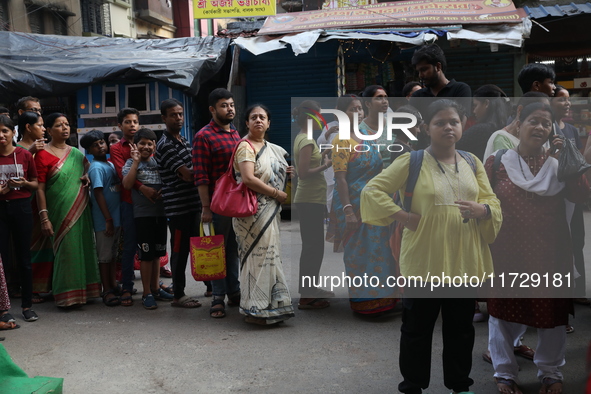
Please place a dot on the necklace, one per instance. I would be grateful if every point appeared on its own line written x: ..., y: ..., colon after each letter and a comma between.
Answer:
x: 528, y: 195
x: 520, y: 165
x: 459, y: 191
x: 54, y: 152
x: 439, y: 164
x: 58, y: 147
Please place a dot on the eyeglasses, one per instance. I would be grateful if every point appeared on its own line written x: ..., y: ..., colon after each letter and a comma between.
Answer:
x: 38, y: 110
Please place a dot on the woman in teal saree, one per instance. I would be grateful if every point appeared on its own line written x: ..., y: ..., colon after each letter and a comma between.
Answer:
x: 366, y: 247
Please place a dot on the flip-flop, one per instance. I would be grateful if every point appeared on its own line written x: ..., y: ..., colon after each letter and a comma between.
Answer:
x: 37, y: 299
x: 8, y: 325
x: 510, y: 386
x: 551, y: 386
x: 315, y: 303
x: 524, y: 351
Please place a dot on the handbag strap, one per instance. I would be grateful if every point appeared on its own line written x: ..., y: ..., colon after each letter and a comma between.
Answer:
x: 202, y: 230
x: 230, y: 170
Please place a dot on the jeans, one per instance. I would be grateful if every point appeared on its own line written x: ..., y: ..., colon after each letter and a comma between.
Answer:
x: 129, y: 245
x: 182, y: 228
x: 16, y: 219
x: 418, y: 320
x: 312, y: 233
x: 231, y: 283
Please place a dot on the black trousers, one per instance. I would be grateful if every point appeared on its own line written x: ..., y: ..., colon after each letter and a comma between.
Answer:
x: 418, y: 320
x: 16, y: 220
x: 182, y: 228
x: 312, y: 233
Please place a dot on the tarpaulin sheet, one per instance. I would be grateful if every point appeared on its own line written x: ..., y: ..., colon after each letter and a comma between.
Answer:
x: 48, y: 65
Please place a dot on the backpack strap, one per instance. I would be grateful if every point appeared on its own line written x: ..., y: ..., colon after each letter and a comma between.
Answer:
x: 469, y: 159
x: 496, y: 166
x: 414, y: 169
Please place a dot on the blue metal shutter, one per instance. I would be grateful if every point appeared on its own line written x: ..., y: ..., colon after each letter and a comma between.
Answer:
x: 479, y: 66
x: 275, y: 77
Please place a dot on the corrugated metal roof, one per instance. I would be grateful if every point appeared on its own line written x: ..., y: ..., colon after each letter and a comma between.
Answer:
x: 558, y: 10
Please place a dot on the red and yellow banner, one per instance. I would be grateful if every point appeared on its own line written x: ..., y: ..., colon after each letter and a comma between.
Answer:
x: 208, y: 9
x: 399, y: 14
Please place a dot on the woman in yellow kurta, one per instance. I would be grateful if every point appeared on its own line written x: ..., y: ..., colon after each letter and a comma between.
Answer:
x: 437, y: 241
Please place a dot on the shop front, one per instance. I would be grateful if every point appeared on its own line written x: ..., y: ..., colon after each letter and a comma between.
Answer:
x: 374, y: 45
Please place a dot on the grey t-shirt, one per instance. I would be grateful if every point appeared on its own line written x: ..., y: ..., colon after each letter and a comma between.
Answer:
x: 147, y: 173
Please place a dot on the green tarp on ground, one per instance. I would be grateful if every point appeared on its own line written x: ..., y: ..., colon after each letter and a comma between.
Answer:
x: 14, y: 380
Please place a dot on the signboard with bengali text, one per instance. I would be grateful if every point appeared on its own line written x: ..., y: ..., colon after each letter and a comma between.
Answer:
x: 208, y: 9
x: 400, y: 14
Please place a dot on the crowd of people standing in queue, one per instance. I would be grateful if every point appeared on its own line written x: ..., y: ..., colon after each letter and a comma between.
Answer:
x: 482, y: 188
x: 475, y: 215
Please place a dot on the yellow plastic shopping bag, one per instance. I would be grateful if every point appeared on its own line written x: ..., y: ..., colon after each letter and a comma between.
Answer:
x: 208, y: 255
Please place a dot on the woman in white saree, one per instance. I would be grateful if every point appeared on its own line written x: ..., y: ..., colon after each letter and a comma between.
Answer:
x: 261, y: 165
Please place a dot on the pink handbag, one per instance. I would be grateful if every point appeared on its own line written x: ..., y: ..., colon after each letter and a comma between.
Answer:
x: 231, y: 198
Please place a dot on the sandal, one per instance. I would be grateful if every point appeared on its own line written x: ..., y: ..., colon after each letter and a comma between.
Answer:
x: 524, y: 351
x: 167, y: 289
x: 118, y: 291
x: 218, y: 309
x: 321, y: 293
x: 162, y: 295
x: 313, y: 303
x: 507, y: 386
x: 37, y: 299
x: 126, y: 300
x: 186, y: 302
x: 8, y: 325
x: 165, y: 273
x: 569, y: 329
x: 551, y: 386
x: 110, y: 301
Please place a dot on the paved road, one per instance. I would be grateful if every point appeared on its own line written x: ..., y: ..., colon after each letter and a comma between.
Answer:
x: 169, y: 350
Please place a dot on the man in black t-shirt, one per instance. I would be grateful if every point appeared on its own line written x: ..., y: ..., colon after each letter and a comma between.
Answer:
x: 430, y: 63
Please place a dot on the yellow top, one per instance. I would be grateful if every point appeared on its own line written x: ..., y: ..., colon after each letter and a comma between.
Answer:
x: 442, y: 243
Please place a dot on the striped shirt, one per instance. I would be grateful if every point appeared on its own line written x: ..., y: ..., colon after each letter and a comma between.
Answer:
x: 180, y: 197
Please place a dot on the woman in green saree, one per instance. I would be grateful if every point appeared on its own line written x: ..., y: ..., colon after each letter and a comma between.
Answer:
x: 62, y: 199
